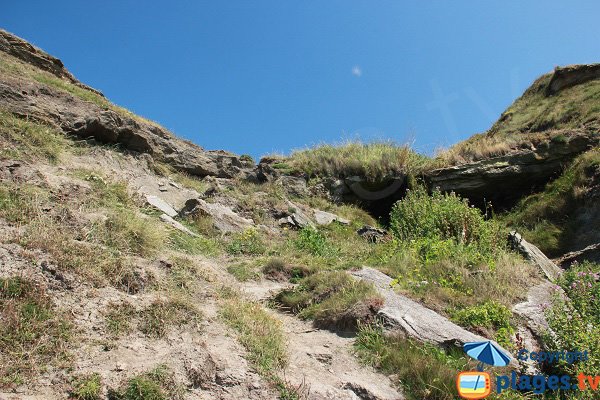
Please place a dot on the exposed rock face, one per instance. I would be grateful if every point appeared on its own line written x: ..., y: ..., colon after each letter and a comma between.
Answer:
x: 25, y: 51
x: 415, y: 320
x: 504, y: 180
x: 572, y: 75
x: 535, y: 255
x: 224, y: 219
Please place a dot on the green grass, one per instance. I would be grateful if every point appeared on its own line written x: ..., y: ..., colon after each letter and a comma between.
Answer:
x: 157, y: 384
x: 161, y: 315
x: 34, y: 334
x: 260, y: 333
x: 332, y: 299
x: 489, y: 315
x: 243, y: 271
x: 183, y: 242
x: 118, y: 318
x: 28, y: 140
x: 88, y: 387
x: 424, y: 371
x: 374, y: 161
x: 248, y: 242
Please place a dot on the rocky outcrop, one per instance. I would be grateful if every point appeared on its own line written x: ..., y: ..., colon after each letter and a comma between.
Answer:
x: 413, y: 319
x: 504, y: 180
x: 25, y: 51
x: 534, y: 255
x: 572, y: 75
x: 95, y: 119
x: 224, y: 219
x: 372, y: 234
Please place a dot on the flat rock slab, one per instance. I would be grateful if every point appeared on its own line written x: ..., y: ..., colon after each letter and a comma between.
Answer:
x: 534, y: 255
x: 539, y: 297
x: 177, y: 225
x: 161, y: 205
x: 417, y: 321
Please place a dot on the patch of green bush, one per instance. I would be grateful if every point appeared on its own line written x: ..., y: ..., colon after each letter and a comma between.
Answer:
x: 248, y: 242
x: 88, y: 387
x: 313, y: 242
x: 491, y: 315
x: 445, y: 216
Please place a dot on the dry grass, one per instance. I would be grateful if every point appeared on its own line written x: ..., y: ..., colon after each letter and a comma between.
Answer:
x: 28, y: 140
x: 533, y: 119
x: 374, y: 161
x: 33, y: 333
x: 260, y: 333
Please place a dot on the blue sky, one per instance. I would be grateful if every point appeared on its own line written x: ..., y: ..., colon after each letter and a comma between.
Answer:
x: 258, y: 76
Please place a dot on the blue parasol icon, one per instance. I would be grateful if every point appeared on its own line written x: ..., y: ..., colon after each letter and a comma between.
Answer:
x: 487, y: 352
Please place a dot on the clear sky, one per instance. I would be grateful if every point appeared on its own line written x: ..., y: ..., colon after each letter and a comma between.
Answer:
x: 270, y: 76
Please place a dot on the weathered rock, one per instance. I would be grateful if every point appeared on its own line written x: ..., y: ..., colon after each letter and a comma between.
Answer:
x: 504, y: 180
x: 572, y: 75
x: 223, y: 217
x: 297, y: 218
x: 539, y: 297
x: 372, y: 234
x: 326, y: 218
x: 413, y: 319
x: 161, y: 205
x: 534, y: 255
x: 293, y: 185
x: 177, y: 225
x: 370, y: 391
x: 25, y: 51
x: 589, y: 253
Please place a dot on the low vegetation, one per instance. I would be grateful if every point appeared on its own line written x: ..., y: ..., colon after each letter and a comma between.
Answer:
x: 332, y: 299
x: 424, y: 371
x: 157, y: 384
x: 374, y: 160
x: 23, y: 139
x: 88, y: 387
x: 34, y: 334
x: 575, y: 319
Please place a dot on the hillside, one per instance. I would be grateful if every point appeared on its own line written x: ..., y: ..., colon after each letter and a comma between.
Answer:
x: 137, y: 265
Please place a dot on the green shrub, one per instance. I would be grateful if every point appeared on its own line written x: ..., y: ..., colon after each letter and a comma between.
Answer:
x: 87, y: 387
x: 492, y: 315
x: 248, y: 242
x: 442, y: 216
x: 313, y: 242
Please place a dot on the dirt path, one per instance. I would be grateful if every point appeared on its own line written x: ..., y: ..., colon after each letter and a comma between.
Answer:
x: 320, y: 361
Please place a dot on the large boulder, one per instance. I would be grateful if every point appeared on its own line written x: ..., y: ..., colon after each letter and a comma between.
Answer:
x: 413, y: 319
